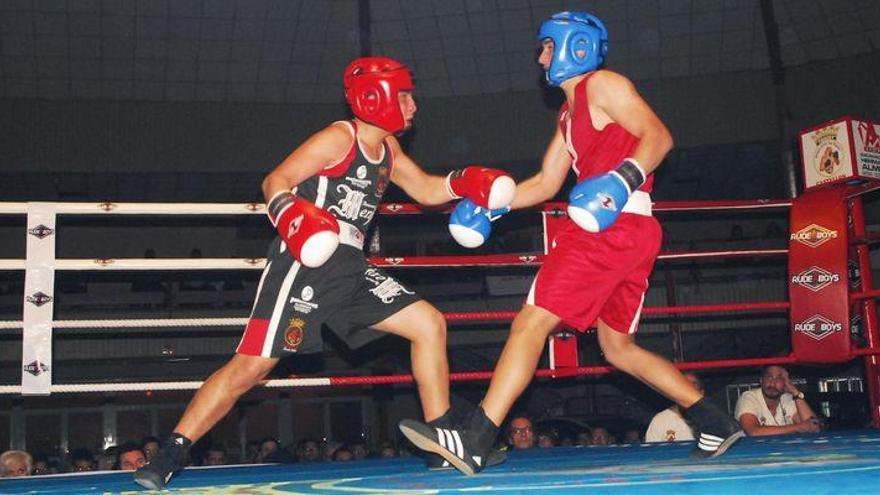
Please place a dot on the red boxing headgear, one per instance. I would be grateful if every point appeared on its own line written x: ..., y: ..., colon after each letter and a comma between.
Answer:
x: 371, y: 87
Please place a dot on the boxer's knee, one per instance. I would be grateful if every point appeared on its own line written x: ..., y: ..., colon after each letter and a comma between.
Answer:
x: 535, y: 322
x: 433, y: 329
x: 619, y: 348
x: 244, y: 371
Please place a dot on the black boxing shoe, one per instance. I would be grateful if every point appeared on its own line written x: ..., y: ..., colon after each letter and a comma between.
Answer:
x: 158, y: 472
x: 434, y: 461
x: 717, y: 430
x: 468, y: 449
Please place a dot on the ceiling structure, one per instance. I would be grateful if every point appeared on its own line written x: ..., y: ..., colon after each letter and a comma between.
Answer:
x: 294, y: 51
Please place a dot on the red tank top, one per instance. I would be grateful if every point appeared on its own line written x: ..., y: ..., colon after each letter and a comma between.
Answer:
x: 594, y: 152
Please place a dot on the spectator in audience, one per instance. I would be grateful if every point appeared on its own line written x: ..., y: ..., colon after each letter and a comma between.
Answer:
x: 600, y: 436
x: 129, y: 457
x: 150, y: 445
x: 520, y: 432
x: 342, y: 454
x: 547, y: 438
x: 216, y: 455
x: 41, y: 465
x: 268, y: 448
x: 15, y: 463
x: 776, y: 408
x: 584, y: 439
x: 359, y: 450
x: 107, y: 460
x: 404, y: 450
x: 308, y: 450
x: 387, y: 451
x: 252, y: 451
x: 669, y: 425
x: 632, y: 436
x: 329, y: 448
x: 82, y: 460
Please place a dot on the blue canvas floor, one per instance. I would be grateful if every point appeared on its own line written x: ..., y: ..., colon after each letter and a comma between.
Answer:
x: 839, y: 463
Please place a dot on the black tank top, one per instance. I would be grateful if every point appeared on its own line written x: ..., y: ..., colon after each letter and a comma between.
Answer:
x: 352, y: 189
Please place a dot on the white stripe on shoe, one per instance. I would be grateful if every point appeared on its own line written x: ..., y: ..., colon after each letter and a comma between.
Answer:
x: 459, y: 448
x: 710, y: 443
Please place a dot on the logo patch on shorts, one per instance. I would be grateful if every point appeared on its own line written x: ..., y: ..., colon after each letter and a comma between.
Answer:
x: 307, y: 293
x: 293, y: 336
x: 301, y: 304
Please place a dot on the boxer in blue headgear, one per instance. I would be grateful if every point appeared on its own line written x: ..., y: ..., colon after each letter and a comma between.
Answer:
x: 580, y: 44
x: 603, y: 254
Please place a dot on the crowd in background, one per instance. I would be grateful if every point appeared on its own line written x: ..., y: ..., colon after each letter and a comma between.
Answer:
x: 775, y: 407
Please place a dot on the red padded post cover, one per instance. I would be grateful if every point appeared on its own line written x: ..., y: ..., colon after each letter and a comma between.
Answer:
x: 817, y: 269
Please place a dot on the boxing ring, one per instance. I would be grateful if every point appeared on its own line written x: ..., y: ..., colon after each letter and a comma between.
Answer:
x: 816, y: 464
x: 823, y: 462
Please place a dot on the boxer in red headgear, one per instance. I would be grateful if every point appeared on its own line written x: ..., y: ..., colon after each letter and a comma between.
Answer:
x: 322, y: 199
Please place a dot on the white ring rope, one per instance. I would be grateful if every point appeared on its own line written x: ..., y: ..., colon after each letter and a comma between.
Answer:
x: 143, y: 208
x: 188, y: 264
x: 141, y: 323
x: 129, y: 264
x: 155, y: 386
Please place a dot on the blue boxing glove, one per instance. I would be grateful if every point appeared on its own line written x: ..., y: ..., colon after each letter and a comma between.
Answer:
x: 470, y: 225
x: 594, y: 204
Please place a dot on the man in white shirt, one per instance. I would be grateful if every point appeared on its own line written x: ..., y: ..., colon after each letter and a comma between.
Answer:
x: 669, y: 425
x: 777, y: 408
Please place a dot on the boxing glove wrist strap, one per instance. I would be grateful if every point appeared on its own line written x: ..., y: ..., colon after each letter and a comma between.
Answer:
x: 279, y: 202
x: 454, y: 175
x: 631, y: 173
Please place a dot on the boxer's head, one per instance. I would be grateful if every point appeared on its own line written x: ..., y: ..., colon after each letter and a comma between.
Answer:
x: 573, y: 43
x: 379, y: 91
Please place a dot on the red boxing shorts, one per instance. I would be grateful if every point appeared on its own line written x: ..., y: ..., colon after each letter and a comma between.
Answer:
x: 599, y: 275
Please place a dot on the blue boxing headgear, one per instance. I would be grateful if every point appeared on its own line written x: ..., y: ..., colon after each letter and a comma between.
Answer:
x: 574, y: 32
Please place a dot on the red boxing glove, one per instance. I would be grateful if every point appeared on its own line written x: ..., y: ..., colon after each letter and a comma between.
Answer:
x: 486, y: 187
x: 311, y: 234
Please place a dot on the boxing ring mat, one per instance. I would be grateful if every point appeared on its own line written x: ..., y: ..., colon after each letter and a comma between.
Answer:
x: 840, y: 463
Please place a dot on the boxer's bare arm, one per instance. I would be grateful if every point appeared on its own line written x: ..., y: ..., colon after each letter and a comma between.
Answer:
x: 321, y: 150
x: 615, y: 96
x: 425, y: 189
x: 546, y: 183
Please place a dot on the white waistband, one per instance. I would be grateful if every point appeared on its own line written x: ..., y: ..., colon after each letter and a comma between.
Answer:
x: 351, y: 235
x: 639, y: 203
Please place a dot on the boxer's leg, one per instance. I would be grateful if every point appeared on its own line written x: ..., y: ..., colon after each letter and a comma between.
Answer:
x: 623, y: 353
x: 424, y: 326
x: 211, y: 403
x: 518, y: 361
x: 717, y: 430
x: 220, y: 392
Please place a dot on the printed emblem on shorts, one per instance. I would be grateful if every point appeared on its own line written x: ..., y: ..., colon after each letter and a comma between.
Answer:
x: 301, y: 304
x: 386, y: 288
x: 607, y: 202
x: 307, y: 293
x: 293, y: 336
